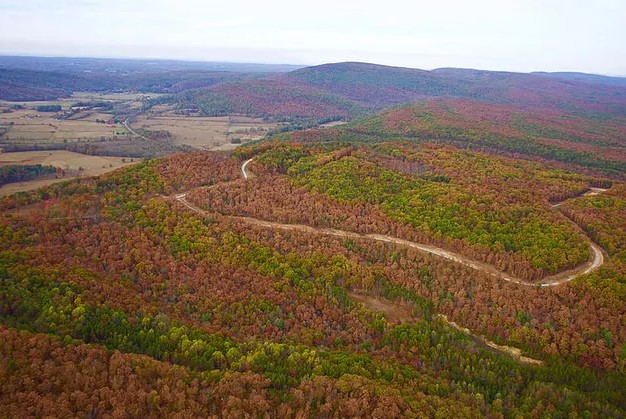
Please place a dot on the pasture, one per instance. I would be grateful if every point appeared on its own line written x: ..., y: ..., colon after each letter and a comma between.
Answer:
x: 205, y: 132
x: 73, y: 164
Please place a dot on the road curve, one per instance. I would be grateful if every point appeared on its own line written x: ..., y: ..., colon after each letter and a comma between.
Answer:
x: 132, y: 131
x: 593, y: 264
x: 590, y: 192
x: 243, y: 168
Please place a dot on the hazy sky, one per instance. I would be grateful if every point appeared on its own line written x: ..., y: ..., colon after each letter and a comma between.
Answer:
x: 523, y: 35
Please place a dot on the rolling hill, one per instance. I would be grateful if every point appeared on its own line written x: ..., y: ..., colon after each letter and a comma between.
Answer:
x: 369, y: 88
x: 457, y: 250
x: 548, y: 134
x: 329, y: 91
x: 39, y: 78
x: 179, y: 286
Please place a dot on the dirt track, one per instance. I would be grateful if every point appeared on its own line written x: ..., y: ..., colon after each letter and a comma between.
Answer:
x: 596, y: 261
x: 401, y: 314
x: 598, y: 258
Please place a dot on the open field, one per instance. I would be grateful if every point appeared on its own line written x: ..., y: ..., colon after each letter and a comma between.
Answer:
x: 67, y: 102
x: 205, y: 132
x: 85, y: 123
x: 30, y: 185
x: 22, y: 123
x: 27, y: 125
x: 74, y: 164
x: 333, y: 124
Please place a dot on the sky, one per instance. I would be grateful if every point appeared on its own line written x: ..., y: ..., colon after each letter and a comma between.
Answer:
x: 522, y: 35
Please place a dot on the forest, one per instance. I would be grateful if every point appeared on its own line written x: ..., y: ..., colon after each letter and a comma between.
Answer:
x: 180, y: 312
x: 459, y: 256
x: 22, y: 172
x: 576, y: 141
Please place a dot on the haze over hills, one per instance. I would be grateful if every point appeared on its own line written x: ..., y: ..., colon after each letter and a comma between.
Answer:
x: 80, y: 65
x: 354, y: 89
x: 46, y: 78
x: 593, y: 78
x: 330, y: 90
x: 567, y: 117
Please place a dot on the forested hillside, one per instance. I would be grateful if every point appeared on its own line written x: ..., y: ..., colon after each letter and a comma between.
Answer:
x: 195, y: 312
x: 366, y: 88
x: 341, y: 90
x: 574, y: 141
x: 269, y: 98
x: 462, y: 255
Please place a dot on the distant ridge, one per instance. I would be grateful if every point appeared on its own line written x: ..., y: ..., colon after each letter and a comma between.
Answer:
x: 590, y: 78
x: 371, y: 87
x: 335, y: 90
x: 82, y: 64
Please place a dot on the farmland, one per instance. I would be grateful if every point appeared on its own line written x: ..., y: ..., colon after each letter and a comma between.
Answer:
x: 205, y: 132
x: 72, y: 164
x: 25, y: 126
x: 93, y: 123
x: 85, y: 135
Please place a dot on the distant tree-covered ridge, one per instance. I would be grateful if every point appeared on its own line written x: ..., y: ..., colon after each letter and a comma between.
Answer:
x: 591, y: 142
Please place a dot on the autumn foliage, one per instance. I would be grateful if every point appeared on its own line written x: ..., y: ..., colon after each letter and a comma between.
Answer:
x: 117, y: 299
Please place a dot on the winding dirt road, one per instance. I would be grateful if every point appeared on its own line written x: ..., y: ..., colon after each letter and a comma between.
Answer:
x: 590, y: 192
x: 594, y: 263
x: 132, y: 131
x: 243, y: 168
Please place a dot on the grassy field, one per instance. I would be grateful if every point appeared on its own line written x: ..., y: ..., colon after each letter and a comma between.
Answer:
x: 204, y: 132
x: 333, y: 124
x: 22, y: 123
x: 74, y: 164
x: 28, y: 125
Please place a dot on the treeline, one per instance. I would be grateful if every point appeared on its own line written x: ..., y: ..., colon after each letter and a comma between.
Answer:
x: 19, y: 173
x: 48, y: 108
x: 160, y: 145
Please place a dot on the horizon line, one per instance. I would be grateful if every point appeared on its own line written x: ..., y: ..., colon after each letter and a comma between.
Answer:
x: 200, y: 60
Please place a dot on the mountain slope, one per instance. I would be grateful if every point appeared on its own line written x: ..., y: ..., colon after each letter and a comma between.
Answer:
x: 373, y: 87
x: 269, y: 97
x: 115, y: 298
x: 346, y: 90
x: 546, y: 133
